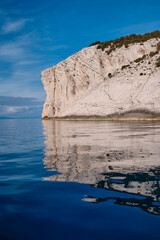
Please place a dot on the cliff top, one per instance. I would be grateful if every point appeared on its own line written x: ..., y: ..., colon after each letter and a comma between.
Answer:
x: 125, y: 41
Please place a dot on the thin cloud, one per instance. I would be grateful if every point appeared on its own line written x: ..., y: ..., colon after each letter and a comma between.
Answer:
x: 57, y: 47
x: 18, y: 49
x: 15, y: 109
x: 18, y: 101
x: 19, y: 107
x: 140, y: 28
x: 13, y: 26
x: 11, y: 51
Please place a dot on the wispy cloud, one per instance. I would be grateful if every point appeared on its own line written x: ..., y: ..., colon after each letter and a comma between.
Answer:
x: 13, y: 26
x: 11, y: 51
x: 140, y: 28
x: 22, y: 77
x: 25, y: 50
x: 57, y: 47
x: 18, y: 101
x: 15, y: 109
x: 18, y: 107
x: 17, y: 49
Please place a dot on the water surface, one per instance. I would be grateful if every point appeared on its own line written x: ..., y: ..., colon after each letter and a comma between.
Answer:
x: 79, y: 180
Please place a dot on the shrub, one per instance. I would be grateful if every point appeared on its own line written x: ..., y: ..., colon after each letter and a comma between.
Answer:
x: 158, y: 62
x: 109, y: 75
x: 97, y: 42
x: 125, y: 66
x: 157, y: 50
x: 140, y: 59
x: 141, y: 74
x: 153, y: 53
x: 158, y: 46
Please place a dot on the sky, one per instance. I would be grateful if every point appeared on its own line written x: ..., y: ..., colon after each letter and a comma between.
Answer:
x: 37, y: 34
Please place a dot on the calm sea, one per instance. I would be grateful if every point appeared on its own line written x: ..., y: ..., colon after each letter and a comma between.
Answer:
x: 79, y: 180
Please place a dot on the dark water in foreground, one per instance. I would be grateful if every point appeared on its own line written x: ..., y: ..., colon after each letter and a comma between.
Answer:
x: 79, y: 180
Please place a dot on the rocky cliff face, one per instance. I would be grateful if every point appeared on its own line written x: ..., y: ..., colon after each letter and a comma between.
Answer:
x: 93, y: 83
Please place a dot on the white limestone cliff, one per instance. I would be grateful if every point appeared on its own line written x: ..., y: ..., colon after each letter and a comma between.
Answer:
x: 80, y: 86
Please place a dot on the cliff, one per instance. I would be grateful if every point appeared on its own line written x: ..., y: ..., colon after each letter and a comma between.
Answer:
x: 106, y: 82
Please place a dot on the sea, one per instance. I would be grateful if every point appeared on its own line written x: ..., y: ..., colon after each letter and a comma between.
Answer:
x: 79, y: 180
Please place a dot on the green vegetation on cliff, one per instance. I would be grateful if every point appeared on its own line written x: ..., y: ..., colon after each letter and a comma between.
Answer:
x: 125, y: 66
x: 157, y: 50
x: 140, y: 59
x: 158, y: 62
x: 125, y: 41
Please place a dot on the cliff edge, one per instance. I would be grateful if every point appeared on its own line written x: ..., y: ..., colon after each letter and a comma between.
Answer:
x: 106, y: 80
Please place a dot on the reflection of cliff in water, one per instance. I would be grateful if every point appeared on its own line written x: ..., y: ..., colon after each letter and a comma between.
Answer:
x: 121, y: 157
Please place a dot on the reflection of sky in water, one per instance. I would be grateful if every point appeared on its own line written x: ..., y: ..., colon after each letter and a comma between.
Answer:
x: 107, y: 165
x: 113, y: 156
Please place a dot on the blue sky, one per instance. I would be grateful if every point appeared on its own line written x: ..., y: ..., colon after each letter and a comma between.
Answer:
x: 37, y: 34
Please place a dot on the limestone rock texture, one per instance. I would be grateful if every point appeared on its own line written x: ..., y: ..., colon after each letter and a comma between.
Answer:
x: 93, y: 84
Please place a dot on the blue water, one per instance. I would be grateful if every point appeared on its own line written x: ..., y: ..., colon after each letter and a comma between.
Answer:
x: 79, y: 180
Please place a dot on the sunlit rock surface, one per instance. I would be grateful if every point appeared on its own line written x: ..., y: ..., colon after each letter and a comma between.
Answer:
x: 121, y: 157
x: 81, y: 86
